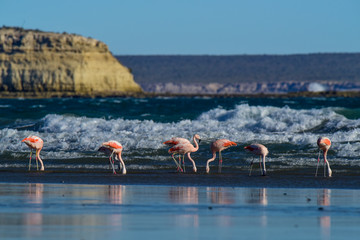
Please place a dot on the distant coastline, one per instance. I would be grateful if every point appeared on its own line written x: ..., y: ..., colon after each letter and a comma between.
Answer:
x: 246, y: 74
x: 349, y: 94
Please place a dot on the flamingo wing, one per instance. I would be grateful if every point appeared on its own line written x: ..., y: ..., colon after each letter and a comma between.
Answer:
x: 257, y: 149
x: 175, y: 141
x: 33, y: 142
x: 112, y: 144
x: 324, y: 142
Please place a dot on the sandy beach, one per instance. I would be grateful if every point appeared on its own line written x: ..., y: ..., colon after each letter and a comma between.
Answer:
x: 92, y: 206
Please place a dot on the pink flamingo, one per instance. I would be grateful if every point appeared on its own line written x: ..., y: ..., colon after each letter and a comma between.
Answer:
x: 108, y: 152
x: 324, y: 144
x: 36, y: 143
x: 178, y: 140
x: 218, y: 146
x: 262, y: 151
x: 186, y: 148
x: 115, y: 147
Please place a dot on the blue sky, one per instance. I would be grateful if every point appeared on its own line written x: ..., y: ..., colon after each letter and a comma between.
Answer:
x: 143, y: 27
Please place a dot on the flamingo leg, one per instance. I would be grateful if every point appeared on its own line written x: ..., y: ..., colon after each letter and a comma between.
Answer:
x: 184, y: 162
x: 30, y: 159
x: 110, y: 157
x: 329, y: 169
x: 220, y: 161
x: 177, y: 164
x: 324, y: 166
x: 112, y: 163
x: 36, y: 158
x: 317, y: 166
x: 261, y: 171
x: 251, y: 164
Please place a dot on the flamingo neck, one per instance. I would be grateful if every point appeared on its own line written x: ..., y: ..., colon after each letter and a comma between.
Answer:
x: 264, y: 168
x: 327, y: 163
x: 196, y: 144
x: 210, y: 160
x: 193, y: 162
x: 122, y: 162
x: 41, y: 162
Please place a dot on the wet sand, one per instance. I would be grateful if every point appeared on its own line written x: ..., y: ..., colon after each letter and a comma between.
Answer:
x: 83, y: 211
x: 284, y: 179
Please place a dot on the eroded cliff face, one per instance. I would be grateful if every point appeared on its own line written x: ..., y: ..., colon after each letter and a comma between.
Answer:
x: 42, y: 64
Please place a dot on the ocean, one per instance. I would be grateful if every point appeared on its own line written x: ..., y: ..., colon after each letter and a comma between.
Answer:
x: 78, y: 196
x: 74, y: 128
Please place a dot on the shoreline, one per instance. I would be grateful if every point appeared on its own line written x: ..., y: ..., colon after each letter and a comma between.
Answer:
x: 48, y: 95
x: 230, y: 180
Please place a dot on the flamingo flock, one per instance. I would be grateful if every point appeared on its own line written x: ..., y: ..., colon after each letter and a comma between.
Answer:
x: 182, y: 147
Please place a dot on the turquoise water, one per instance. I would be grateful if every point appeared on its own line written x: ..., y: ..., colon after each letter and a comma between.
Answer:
x: 73, y: 129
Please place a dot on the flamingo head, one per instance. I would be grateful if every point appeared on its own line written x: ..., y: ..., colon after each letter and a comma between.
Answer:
x: 104, y: 150
x: 248, y: 148
x: 196, y: 136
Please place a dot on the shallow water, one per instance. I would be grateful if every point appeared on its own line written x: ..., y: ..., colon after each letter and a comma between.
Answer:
x: 49, y: 211
x: 73, y: 130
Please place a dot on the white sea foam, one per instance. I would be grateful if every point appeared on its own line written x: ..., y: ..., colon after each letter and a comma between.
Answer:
x: 66, y: 136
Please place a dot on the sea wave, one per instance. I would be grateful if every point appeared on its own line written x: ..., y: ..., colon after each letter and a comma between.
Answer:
x: 67, y: 136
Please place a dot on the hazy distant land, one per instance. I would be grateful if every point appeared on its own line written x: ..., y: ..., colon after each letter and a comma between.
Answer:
x: 246, y: 74
x: 37, y: 64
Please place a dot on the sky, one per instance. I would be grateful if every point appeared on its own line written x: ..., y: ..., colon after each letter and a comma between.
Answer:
x: 197, y: 27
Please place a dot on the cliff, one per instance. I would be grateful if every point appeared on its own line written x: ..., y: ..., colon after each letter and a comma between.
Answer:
x: 43, y: 64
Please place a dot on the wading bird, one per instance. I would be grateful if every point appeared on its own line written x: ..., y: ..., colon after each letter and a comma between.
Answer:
x: 114, y: 147
x: 324, y: 144
x: 178, y: 140
x: 186, y: 148
x: 218, y: 146
x: 262, y: 151
x: 36, y: 143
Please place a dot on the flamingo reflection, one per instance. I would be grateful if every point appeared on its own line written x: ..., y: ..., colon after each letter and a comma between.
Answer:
x: 186, y: 196
x: 220, y: 195
x: 116, y: 197
x: 116, y: 194
x: 323, y: 199
x: 34, y: 196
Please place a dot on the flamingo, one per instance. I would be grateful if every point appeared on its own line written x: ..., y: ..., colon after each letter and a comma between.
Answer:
x: 116, y: 148
x: 324, y: 144
x: 178, y: 140
x: 36, y: 143
x: 262, y: 151
x: 186, y: 148
x: 218, y: 146
x: 108, y: 152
